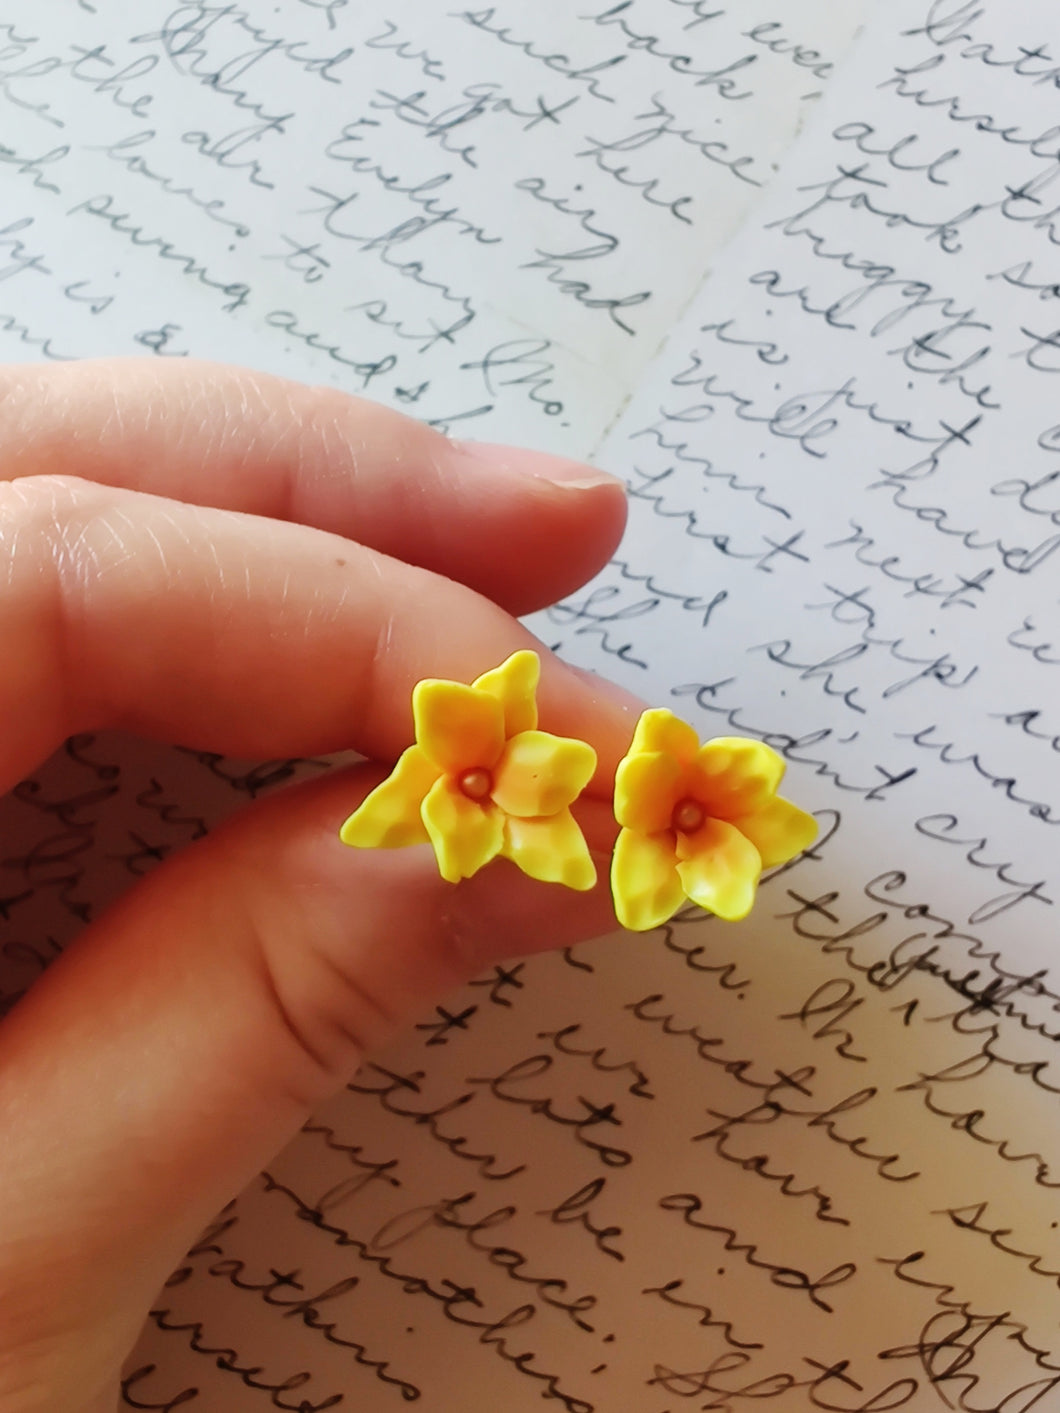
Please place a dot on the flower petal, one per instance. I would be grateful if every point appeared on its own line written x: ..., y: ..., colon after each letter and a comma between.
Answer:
x: 644, y: 880
x: 514, y: 684
x: 539, y: 774
x: 647, y: 786
x: 389, y: 818
x: 553, y: 850
x: 779, y: 831
x: 659, y: 730
x: 465, y: 834
x: 737, y: 776
x: 458, y: 726
x: 719, y: 869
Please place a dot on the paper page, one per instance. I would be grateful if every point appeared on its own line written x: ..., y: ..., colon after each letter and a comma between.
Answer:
x: 845, y: 541
x: 457, y: 210
x: 809, y: 1161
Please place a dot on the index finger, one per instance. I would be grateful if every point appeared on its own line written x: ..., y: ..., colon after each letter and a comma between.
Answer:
x: 237, y: 439
x: 245, y: 635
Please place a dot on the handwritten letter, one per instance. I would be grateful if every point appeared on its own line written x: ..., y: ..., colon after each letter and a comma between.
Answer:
x: 459, y: 211
x: 806, y: 1162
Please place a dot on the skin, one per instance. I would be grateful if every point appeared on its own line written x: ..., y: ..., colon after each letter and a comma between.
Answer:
x: 234, y: 562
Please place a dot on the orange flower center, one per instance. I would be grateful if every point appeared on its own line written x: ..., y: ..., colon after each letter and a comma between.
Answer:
x: 476, y: 784
x: 688, y: 816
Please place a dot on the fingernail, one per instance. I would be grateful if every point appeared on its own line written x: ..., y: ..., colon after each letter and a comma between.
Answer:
x: 538, y: 465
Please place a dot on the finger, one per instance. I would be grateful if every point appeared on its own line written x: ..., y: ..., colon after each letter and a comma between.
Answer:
x: 233, y: 632
x: 163, y: 1060
x: 520, y: 527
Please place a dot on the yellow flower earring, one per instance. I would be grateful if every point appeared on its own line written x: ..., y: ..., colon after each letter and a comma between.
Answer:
x: 482, y: 782
x: 698, y: 822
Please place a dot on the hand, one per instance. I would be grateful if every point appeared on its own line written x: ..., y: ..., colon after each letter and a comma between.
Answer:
x: 230, y: 561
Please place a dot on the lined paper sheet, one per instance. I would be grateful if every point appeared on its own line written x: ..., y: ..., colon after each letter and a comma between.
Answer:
x: 809, y: 1161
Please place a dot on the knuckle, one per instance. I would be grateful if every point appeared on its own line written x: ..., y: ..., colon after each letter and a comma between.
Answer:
x: 43, y: 521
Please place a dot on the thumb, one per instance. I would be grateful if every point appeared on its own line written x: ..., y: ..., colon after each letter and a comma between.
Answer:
x: 186, y: 1036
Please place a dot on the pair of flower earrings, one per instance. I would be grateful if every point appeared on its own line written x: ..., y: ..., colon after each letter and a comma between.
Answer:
x: 697, y: 821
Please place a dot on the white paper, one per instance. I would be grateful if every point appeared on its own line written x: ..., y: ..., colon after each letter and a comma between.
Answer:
x: 809, y: 1161
x: 491, y: 216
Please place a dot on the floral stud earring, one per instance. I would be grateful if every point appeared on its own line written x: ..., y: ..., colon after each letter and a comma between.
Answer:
x: 482, y: 782
x: 698, y: 822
